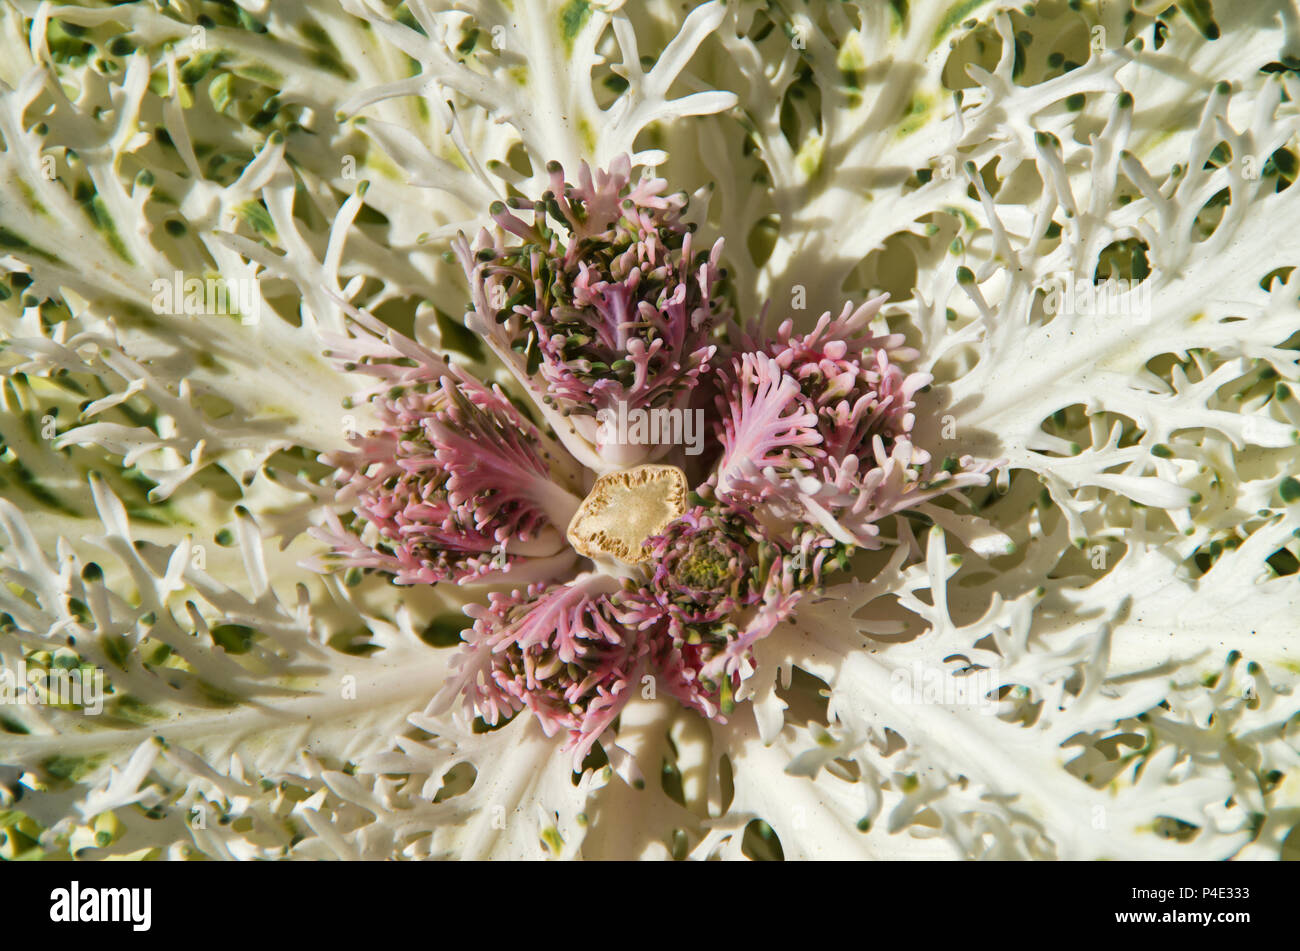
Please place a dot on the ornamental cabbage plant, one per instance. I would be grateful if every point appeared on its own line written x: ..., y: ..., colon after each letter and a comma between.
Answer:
x: 583, y: 429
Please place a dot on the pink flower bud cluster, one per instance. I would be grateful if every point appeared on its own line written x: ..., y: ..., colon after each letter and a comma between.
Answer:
x: 593, y: 295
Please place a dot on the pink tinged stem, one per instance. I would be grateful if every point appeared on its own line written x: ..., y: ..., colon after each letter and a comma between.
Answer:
x: 767, y: 417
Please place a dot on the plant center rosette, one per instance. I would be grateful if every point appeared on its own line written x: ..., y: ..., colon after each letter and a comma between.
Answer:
x: 672, y: 484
